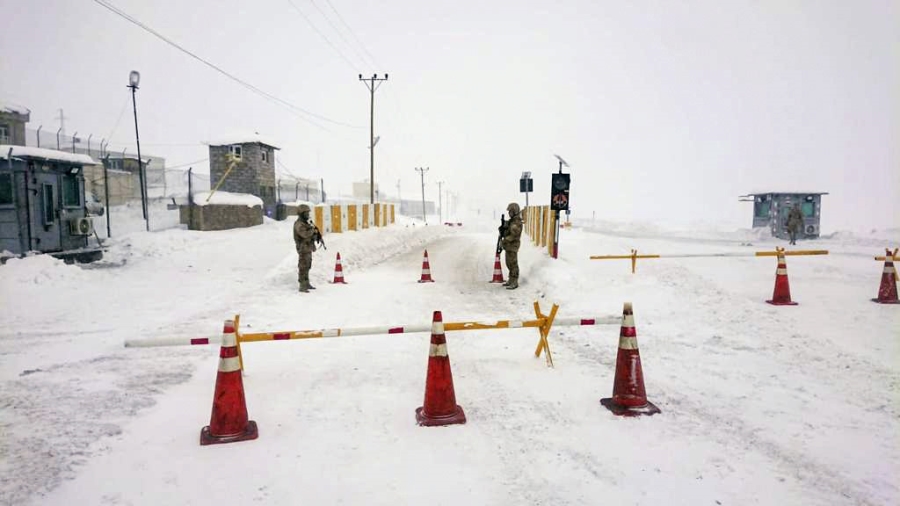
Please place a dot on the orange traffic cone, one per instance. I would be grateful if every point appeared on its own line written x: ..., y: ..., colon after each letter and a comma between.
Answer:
x: 629, y: 397
x: 887, y: 292
x: 440, y: 406
x: 498, y: 270
x: 782, y: 293
x: 229, y: 421
x: 426, y: 270
x: 338, y: 271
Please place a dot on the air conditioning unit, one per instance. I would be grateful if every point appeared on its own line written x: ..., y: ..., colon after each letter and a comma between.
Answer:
x: 811, y: 230
x: 81, y: 226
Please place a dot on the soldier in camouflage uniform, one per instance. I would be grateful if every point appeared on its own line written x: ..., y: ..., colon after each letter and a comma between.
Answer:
x: 794, y: 222
x: 510, y: 243
x: 305, y: 236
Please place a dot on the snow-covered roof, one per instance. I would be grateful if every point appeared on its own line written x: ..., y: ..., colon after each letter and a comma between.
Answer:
x: 13, y: 108
x: 243, y: 138
x: 783, y: 192
x: 221, y: 198
x: 50, y: 155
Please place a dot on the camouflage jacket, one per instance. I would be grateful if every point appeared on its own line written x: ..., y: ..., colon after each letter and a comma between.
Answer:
x: 304, y: 236
x: 512, y: 239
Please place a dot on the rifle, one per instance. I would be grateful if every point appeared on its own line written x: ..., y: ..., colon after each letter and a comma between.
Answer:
x: 318, y: 236
x: 504, y: 226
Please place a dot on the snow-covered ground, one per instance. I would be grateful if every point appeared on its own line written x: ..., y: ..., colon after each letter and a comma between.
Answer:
x: 760, y: 404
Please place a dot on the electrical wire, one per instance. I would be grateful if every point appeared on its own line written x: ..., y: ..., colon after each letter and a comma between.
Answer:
x: 341, y: 35
x: 297, y: 110
x: 326, y: 39
x: 341, y: 19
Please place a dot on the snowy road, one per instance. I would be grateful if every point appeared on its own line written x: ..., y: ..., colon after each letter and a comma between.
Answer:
x: 761, y: 405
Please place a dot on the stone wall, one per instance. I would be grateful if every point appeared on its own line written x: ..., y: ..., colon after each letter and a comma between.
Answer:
x: 218, y: 217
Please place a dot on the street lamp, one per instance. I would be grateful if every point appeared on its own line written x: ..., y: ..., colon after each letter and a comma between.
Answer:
x: 134, y: 79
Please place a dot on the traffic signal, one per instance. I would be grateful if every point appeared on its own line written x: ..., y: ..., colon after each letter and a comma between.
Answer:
x: 559, y: 192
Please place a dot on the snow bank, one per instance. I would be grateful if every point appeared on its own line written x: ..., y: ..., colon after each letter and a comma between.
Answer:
x: 38, y: 270
x: 227, y: 199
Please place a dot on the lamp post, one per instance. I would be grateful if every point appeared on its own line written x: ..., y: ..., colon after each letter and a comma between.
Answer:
x: 134, y: 79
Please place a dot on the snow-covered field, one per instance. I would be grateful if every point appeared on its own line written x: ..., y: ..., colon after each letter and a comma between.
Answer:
x: 760, y: 404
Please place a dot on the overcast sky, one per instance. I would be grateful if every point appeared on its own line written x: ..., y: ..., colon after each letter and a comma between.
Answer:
x: 666, y: 111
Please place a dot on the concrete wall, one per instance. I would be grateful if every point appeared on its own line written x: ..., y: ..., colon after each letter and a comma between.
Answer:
x: 217, y: 217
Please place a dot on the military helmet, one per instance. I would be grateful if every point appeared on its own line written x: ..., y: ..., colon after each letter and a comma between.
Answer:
x: 513, y: 209
x: 302, y: 208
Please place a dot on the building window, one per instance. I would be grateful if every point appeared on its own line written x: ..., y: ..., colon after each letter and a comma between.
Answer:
x: 265, y: 156
x: 6, y: 189
x: 807, y: 208
x: 4, y: 134
x: 236, y: 151
x: 49, y: 207
x: 71, y: 195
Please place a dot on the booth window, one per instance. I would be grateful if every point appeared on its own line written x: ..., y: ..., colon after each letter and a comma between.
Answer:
x: 71, y: 195
x: 762, y: 209
x: 6, y: 189
x: 49, y: 204
x: 808, y: 209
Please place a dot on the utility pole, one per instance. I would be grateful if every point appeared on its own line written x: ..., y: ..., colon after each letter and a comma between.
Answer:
x: 422, y: 172
x: 440, y: 203
x: 372, y: 83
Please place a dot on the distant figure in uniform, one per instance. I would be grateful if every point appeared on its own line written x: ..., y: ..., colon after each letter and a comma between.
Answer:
x: 510, y: 244
x: 305, y: 237
x: 794, y: 222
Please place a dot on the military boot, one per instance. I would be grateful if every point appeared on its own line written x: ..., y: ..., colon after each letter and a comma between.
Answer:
x: 513, y: 284
x: 304, y: 288
x: 309, y: 285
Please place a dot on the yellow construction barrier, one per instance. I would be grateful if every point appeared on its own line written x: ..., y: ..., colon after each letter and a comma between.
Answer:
x: 634, y: 256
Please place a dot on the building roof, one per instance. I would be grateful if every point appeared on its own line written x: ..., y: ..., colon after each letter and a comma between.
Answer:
x: 49, y: 155
x: 13, y: 108
x: 791, y: 192
x: 245, y: 138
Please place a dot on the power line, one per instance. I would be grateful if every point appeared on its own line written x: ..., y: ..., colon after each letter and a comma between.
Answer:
x: 297, y: 110
x: 326, y: 39
x: 341, y: 19
x: 341, y: 35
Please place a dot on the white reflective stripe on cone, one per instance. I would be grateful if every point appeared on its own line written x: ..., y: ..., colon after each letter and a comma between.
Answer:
x: 781, y: 272
x: 426, y: 271
x: 437, y: 328
x: 628, y: 321
x: 628, y: 343
x: 890, y: 269
x: 438, y: 350
x: 229, y: 364
x: 229, y: 340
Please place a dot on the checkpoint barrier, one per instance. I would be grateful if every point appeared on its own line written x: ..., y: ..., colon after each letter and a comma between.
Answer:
x: 229, y: 421
x: 634, y: 256
x: 541, y: 322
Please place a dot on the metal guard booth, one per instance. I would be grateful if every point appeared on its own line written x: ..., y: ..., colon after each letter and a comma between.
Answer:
x: 770, y: 210
x: 42, y: 204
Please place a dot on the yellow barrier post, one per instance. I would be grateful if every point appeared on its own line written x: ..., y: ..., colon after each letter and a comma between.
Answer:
x: 351, y: 217
x: 543, y: 343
